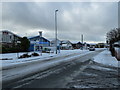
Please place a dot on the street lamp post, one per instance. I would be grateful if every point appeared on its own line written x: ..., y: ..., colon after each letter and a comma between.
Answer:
x: 40, y: 41
x: 56, y: 28
x: 82, y: 40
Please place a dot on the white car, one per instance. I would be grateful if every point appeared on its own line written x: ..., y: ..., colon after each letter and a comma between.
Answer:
x: 91, y: 49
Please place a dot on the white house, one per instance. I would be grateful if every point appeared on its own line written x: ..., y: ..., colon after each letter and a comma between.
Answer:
x: 8, y: 38
x: 66, y: 45
x: 53, y: 42
x: 38, y: 42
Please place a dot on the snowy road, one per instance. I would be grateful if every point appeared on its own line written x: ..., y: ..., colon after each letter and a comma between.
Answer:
x: 57, y: 76
x: 14, y: 71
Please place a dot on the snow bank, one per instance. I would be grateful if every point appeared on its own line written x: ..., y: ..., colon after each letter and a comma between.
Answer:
x: 15, y: 55
x: 44, y: 55
x: 106, y: 58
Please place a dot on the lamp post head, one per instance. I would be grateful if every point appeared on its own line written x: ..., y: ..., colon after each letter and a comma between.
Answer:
x: 56, y: 10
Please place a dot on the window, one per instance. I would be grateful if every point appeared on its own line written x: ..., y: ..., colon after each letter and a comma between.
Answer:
x: 10, y: 36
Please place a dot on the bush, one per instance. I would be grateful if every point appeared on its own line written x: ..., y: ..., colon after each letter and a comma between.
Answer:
x: 46, y: 50
x: 25, y: 56
x: 35, y: 54
x: 9, y: 49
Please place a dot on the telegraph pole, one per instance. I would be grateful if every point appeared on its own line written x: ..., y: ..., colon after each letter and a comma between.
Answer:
x: 82, y: 40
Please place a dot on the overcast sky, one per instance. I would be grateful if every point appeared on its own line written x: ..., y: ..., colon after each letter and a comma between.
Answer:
x: 91, y: 19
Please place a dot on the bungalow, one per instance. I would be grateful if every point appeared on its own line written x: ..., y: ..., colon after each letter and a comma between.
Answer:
x: 38, y: 42
x: 66, y: 45
x: 53, y: 42
x: 8, y: 38
x: 100, y: 45
x: 77, y: 45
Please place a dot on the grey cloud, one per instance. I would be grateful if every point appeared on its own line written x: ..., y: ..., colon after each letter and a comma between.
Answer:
x: 91, y: 19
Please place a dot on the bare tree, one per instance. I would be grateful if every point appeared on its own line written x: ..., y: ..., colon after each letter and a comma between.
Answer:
x: 112, y: 37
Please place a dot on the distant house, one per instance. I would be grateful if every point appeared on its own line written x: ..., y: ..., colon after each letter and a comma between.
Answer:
x: 53, y: 42
x: 92, y: 44
x: 38, y: 42
x: 101, y: 45
x: 66, y: 45
x: 76, y: 45
x: 8, y: 38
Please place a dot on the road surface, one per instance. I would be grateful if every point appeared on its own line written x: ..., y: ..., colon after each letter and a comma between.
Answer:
x: 79, y: 73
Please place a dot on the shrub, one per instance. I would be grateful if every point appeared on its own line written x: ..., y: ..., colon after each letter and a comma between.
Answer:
x: 25, y: 56
x: 35, y: 54
x: 46, y: 50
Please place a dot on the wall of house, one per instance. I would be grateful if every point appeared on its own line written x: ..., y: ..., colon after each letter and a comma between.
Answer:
x: 7, y: 37
x: 39, y: 42
x: 53, y: 43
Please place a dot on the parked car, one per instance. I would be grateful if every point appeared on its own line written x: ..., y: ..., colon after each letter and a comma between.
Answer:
x: 91, y: 49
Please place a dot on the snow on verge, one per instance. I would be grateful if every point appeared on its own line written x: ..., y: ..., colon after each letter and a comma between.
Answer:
x: 106, y: 58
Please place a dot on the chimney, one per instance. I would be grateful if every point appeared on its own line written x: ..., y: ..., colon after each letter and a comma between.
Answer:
x: 40, y: 33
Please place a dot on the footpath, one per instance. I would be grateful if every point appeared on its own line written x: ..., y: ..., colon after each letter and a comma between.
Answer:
x: 106, y: 59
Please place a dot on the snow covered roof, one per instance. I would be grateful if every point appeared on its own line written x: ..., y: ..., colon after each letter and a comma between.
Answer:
x: 74, y: 42
x: 92, y: 43
x: 10, y: 32
x: 37, y: 37
x: 53, y: 39
x: 65, y: 41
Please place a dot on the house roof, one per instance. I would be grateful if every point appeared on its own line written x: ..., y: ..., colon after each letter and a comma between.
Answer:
x: 38, y: 37
x: 65, y: 41
x: 79, y: 43
x: 10, y: 32
x: 53, y: 39
x: 74, y: 42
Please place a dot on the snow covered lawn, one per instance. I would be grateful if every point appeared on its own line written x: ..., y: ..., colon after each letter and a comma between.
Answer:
x: 106, y: 58
x: 31, y: 59
x: 14, y: 55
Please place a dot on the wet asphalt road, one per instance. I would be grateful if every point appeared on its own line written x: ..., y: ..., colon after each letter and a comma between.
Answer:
x: 81, y: 73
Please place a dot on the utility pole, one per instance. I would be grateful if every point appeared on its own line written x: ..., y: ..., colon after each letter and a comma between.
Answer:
x: 82, y: 40
x: 40, y: 41
x: 56, y: 28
